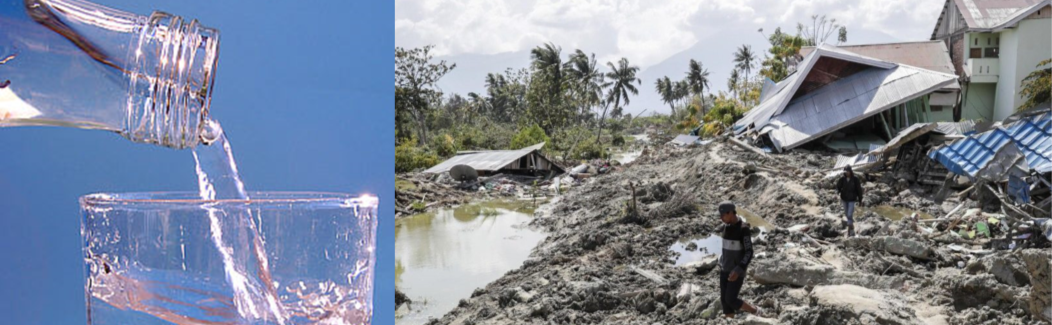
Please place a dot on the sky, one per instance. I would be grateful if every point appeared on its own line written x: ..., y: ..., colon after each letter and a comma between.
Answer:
x: 483, y: 36
x: 303, y: 91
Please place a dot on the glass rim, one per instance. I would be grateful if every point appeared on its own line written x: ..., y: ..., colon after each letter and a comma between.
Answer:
x: 265, y: 197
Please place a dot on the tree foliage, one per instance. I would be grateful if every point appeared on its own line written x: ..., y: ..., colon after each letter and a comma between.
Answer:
x: 1037, y: 86
x: 416, y: 76
x: 621, y: 81
x: 529, y: 136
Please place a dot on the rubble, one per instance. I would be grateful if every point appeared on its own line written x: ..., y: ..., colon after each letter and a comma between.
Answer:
x: 596, y: 268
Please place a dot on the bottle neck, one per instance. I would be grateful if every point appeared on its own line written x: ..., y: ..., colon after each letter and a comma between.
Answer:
x: 171, y: 74
x: 167, y: 64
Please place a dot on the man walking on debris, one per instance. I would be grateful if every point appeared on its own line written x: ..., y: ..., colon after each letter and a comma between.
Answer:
x: 850, y: 189
x: 737, y: 253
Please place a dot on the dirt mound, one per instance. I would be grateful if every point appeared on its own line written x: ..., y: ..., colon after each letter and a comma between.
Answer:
x: 595, y: 267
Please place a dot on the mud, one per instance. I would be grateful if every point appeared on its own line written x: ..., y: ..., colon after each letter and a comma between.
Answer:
x: 607, y: 258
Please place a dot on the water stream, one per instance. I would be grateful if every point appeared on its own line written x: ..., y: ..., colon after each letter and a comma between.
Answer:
x: 233, y: 232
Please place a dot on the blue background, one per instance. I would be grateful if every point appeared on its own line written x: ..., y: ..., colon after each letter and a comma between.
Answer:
x: 304, y: 90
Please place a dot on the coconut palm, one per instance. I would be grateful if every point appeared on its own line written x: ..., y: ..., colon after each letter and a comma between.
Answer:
x: 743, y: 60
x: 546, y: 60
x: 587, y: 81
x: 667, y: 89
x: 620, y: 81
x: 697, y: 80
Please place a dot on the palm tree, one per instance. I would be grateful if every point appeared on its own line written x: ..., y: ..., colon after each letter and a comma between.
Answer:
x: 732, y: 82
x: 586, y: 78
x: 743, y: 60
x: 547, y: 61
x: 620, y: 82
x: 682, y: 89
x: 697, y: 80
x: 667, y: 89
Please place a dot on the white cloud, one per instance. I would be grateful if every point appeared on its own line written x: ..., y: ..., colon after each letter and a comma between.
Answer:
x: 644, y: 31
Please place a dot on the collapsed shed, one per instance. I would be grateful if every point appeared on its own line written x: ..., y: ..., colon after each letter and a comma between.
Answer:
x: 525, y: 161
x: 835, y: 92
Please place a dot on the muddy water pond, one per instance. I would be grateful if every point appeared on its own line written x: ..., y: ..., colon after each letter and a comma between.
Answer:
x: 441, y: 257
x: 712, y: 244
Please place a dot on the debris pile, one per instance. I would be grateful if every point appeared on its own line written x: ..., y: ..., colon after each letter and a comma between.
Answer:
x: 608, y: 259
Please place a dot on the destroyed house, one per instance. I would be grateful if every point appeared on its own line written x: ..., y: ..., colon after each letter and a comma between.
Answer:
x: 930, y: 55
x: 838, y: 94
x: 525, y: 161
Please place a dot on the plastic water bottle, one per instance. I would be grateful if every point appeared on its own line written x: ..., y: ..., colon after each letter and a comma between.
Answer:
x: 78, y: 64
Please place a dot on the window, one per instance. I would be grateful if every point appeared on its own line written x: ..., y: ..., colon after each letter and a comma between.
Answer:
x: 977, y: 42
x: 987, y: 41
x: 936, y: 108
x: 991, y: 52
x: 975, y: 53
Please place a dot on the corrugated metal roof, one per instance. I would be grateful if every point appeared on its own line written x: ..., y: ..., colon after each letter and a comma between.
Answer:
x: 931, y: 55
x: 484, y: 160
x: 792, y: 122
x: 965, y: 127
x: 989, y: 14
x: 906, y: 135
x: 1032, y: 135
x: 857, y: 162
x: 761, y: 114
x: 849, y: 100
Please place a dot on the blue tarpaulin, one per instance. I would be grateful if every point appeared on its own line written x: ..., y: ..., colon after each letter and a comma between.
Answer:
x: 1033, y: 136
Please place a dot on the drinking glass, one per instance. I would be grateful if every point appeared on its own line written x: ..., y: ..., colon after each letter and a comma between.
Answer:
x: 152, y: 258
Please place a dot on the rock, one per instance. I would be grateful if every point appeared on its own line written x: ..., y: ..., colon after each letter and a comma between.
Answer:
x: 781, y: 269
x: 882, y: 307
x: 757, y: 320
x: 704, y: 265
x: 522, y: 295
x: 692, y: 246
x: 659, y: 192
x: 1039, y: 267
x: 894, y: 245
x: 714, y: 309
x: 686, y: 291
x: 1007, y: 269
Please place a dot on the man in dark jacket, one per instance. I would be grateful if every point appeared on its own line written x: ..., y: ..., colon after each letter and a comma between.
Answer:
x: 734, y: 261
x: 850, y: 189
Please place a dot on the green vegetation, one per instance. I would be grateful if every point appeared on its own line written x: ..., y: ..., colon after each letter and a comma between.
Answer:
x: 404, y: 185
x: 1037, y: 86
x: 409, y: 157
x: 419, y: 206
x: 528, y: 137
x: 566, y: 104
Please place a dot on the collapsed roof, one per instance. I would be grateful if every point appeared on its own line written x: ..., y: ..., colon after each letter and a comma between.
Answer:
x: 931, y: 55
x: 496, y: 160
x: 832, y: 89
x: 1032, y: 135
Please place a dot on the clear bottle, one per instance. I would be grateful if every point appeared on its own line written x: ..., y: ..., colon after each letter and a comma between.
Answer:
x: 79, y: 64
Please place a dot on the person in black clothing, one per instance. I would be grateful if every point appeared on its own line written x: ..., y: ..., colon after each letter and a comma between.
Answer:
x: 734, y: 261
x: 850, y: 189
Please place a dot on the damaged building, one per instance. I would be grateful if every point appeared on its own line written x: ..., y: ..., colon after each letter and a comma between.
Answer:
x: 525, y: 161
x: 993, y: 45
x: 843, y: 100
